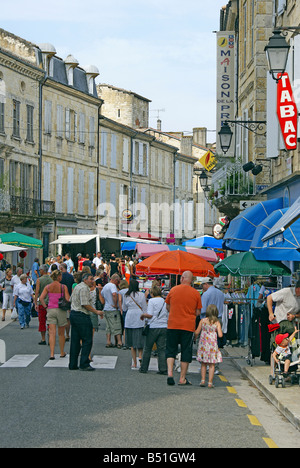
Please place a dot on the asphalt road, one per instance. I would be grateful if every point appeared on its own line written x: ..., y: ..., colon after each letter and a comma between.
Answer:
x: 120, y: 408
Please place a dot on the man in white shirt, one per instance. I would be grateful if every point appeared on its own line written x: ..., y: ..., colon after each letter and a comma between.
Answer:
x: 97, y: 260
x: 109, y: 297
x: 69, y: 262
x: 287, y: 302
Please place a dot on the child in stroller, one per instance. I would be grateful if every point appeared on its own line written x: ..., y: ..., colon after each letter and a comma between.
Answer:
x: 284, y: 358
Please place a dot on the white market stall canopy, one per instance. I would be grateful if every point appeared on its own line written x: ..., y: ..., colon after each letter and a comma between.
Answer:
x: 84, y: 238
x: 10, y: 248
x: 74, y: 239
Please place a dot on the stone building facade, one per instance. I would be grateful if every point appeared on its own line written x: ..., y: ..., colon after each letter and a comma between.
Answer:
x: 49, y: 141
x: 251, y: 23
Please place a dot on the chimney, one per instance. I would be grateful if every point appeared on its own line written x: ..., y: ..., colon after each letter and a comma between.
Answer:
x: 200, y: 136
x: 159, y: 125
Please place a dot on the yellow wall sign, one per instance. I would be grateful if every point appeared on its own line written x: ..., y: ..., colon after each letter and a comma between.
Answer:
x: 208, y: 161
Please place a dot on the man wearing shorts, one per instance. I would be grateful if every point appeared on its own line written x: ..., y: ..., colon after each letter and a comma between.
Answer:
x: 111, y: 313
x: 184, y: 304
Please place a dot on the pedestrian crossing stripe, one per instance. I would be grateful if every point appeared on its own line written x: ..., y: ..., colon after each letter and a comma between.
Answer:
x: 20, y: 360
x: 24, y: 360
x: 99, y: 362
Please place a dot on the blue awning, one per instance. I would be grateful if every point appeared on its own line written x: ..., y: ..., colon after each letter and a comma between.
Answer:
x: 204, y: 242
x: 128, y: 246
x: 241, y: 230
x: 284, y: 246
x: 291, y: 215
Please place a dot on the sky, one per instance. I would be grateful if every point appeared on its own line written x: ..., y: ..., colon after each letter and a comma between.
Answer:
x: 164, y: 50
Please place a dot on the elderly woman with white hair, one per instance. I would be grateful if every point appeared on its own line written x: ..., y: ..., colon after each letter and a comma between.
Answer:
x: 24, y: 293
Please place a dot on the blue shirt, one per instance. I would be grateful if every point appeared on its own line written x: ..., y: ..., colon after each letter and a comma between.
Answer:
x: 212, y: 296
x: 34, y: 276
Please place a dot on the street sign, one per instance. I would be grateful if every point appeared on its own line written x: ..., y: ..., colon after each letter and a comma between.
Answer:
x: 244, y: 204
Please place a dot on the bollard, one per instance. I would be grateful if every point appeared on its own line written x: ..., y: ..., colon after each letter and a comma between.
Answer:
x: 2, y: 352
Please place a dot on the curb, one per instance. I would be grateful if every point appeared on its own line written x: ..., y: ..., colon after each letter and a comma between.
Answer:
x: 282, y: 406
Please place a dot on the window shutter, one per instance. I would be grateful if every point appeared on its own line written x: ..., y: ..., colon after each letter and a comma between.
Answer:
x: 47, y: 178
x: 81, y: 192
x: 70, y: 189
x: 125, y: 155
x: 59, y: 193
x: 113, y: 161
x: 91, y: 194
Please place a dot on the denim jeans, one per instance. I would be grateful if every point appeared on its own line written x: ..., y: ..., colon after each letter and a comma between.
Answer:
x: 81, y: 339
x: 24, y: 314
x: 158, y: 336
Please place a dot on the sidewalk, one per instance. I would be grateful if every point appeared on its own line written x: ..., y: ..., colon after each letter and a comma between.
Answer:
x: 286, y: 400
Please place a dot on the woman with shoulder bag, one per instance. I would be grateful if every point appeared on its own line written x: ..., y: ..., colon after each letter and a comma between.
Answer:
x: 157, y: 315
x: 135, y: 304
x: 7, y: 292
x: 56, y: 316
x: 24, y: 293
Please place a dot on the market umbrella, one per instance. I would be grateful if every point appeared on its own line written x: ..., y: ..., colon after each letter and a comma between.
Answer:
x: 20, y: 240
x: 204, y: 241
x: 175, y: 262
x: 245, y: 264
x: 146, y: 250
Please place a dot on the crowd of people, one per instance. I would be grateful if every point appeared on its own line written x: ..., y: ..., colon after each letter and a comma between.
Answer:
x: 70, y: 297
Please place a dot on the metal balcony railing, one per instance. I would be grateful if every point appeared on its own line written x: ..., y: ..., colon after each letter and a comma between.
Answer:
x: 16, y: 205
x: 231, y: 180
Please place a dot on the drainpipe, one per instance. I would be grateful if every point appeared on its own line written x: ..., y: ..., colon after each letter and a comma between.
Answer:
x: 174, y: 188
x: 41, y: 84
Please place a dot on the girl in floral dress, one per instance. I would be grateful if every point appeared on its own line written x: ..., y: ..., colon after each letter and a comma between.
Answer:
x: 208, y: 351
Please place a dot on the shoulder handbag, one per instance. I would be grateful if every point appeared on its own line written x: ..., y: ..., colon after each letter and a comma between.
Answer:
x: 62, y: 301
x: 147, y: 326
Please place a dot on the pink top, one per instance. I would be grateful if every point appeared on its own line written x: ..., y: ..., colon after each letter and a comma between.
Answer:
x: 53, y: 299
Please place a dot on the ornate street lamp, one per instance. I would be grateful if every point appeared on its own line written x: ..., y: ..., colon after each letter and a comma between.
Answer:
x: 225, y: 135
x: 202, y: 177
x: 277, y: 51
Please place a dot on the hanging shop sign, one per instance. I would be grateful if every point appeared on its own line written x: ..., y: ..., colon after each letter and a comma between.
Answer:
x: 208, y: 161
x: 225, y: 82
x: 287, y: 112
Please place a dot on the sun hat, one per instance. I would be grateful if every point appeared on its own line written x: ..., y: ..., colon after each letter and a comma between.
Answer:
x: 279, y: 338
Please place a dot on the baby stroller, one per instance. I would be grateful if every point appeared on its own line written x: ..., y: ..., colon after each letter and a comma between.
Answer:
x: 278, y: 375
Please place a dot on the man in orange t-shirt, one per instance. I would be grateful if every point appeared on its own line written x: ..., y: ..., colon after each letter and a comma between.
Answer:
x: 184, y: 304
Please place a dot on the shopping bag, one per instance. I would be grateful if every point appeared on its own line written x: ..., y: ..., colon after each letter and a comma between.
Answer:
x: 14, y: 314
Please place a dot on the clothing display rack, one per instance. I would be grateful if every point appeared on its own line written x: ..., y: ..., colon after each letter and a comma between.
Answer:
x: 245, y: 323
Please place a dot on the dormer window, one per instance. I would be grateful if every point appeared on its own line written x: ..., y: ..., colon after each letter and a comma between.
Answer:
x: 91, y: 73
x: 71, y: 63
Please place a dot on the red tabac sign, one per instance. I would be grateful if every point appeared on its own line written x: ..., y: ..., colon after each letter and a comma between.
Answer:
x: 287, y: 112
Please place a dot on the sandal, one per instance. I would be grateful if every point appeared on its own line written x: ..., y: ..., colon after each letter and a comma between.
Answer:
x: 109, y: 346
x: 202, y: 383
x: 210, y: 385
x: 64, y: 355
x: 185, y: 383
x: 119, y: 346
